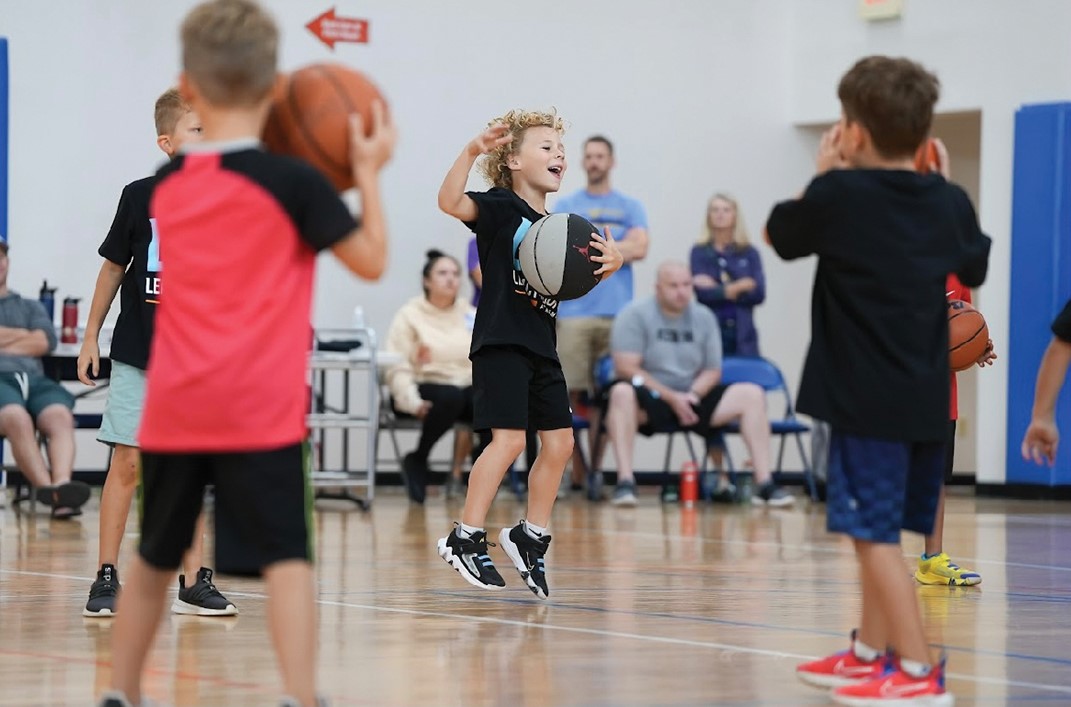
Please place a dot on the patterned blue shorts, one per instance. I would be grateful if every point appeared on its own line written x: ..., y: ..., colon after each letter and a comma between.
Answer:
x: 876, y: 486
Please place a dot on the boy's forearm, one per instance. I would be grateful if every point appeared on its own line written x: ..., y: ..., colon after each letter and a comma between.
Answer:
x: 1051, y: 375
x: 109, y: 279
x: 452, y: 190
x: 373, y: 231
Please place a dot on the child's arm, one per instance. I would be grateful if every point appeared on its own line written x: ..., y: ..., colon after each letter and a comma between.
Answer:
x: 1042, y: 436
x: 108, y: 280
x: 364, y: 250
x: 452, y: 197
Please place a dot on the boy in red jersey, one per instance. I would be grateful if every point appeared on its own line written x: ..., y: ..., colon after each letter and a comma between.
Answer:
x: 226, y: 394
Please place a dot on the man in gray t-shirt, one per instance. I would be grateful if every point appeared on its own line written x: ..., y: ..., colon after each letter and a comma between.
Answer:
x: 667, y: 359
x: 29, y: 401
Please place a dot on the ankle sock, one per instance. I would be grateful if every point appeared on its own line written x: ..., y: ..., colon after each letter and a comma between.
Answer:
x: 914, y: 668
x: 864, y: 652
x: 467, y: 531
x: 930, y: 556
x: 534, y: 531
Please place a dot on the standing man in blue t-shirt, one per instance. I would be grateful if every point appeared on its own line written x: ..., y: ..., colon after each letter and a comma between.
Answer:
x: 584, y: 324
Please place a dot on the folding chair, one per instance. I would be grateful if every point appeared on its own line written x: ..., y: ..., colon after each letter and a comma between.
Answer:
x: 762, y: 372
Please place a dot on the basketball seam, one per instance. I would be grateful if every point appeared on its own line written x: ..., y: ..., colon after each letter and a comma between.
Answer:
x: 313, y: 145
x: 535, y: 255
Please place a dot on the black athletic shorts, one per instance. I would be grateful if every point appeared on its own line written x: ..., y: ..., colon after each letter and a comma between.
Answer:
x: 660, y: 416
x: 263, y: 507
x: 515, y: 389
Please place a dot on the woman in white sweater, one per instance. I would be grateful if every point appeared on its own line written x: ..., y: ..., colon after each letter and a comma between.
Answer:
x: 433, y: 383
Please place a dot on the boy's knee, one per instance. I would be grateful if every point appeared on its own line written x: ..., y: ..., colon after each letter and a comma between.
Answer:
x: 510, y: 441
x: 558, y: 443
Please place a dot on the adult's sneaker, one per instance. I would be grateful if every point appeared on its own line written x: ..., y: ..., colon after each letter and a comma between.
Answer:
x: 469, y: 557
x: 895, y: 687
x: 527, y: 554
x: 625, y: 494
x: 770, y: 494
x: 103, y: 593
x: 843, y: 668
x: 202, y: 598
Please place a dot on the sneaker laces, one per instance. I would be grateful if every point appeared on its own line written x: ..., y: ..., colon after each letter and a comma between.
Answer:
x: 105, y: 585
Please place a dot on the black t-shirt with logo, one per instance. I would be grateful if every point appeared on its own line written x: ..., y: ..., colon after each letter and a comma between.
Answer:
x: 132, y: 243
x: 1061, y: 326
x: 511, y: 313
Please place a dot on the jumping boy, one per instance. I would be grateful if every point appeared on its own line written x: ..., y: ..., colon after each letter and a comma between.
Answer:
x: 226, y: 393
x: 877, y: 368
x: 132, y: 241
x: 516, y: 376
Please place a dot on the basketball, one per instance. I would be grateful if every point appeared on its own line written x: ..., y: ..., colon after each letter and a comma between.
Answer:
x: 555, y: 256
x: 309, y: 117
x: 968, y: 335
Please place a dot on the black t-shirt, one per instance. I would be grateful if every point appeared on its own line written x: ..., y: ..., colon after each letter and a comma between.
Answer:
x: 886, y: 241
x: 1061, y: 326
x: 510, y: 311
x: 131, y: 242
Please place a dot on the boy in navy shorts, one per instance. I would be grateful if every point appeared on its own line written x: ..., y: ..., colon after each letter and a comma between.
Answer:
x: 877, y: 369
x: 226, y: 394
x: 516, y: 377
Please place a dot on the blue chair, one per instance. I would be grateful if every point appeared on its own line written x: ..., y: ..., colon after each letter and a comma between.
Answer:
x: 760, y: 371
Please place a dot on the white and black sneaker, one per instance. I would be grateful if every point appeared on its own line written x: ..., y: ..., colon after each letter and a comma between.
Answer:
x: 527, y: 553
x: 202, y: 598
x: 770, y: 494
x: 469, y: 557
x: 103, y: 593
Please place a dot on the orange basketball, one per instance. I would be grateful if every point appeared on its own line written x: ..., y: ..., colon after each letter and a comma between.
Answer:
x: 926, y: 156
x: 309, y: 117
x: 968, y: 335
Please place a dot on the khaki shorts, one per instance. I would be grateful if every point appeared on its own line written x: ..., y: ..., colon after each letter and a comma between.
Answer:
x: 582, y: 341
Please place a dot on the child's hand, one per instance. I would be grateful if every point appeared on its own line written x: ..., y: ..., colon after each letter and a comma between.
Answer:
x: 944, y: 165
x: 988, y: 356
x: 489, y: 140
x: 611, y: 257
x: 829, y: 156
x: 1040, y: 442
x: 375, y: 150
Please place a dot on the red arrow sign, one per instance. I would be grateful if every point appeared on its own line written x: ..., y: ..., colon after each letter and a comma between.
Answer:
x: 330, y: 29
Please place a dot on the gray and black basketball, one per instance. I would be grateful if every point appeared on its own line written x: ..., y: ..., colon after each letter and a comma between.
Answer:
x: 556, y: 254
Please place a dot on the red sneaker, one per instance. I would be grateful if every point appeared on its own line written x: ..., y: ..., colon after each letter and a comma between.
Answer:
x: 898, y: 688
x: 842, y: 668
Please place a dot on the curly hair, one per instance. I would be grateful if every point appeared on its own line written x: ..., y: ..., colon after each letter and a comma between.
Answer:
x: 494, y: 167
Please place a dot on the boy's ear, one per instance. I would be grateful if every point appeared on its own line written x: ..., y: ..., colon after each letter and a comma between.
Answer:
x: 855, y: 136
x: 164, y: 143
x: 186, y: 89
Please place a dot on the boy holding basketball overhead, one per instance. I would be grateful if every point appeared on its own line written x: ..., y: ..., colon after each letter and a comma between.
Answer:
x: 226, y: 393
x: 877, y: 368
x: 516, y: 376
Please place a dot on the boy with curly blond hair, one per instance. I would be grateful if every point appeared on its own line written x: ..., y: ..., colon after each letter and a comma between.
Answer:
x: 516, y: 376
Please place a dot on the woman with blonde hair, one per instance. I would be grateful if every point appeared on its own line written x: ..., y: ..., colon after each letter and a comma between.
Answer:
x: 727, y: 275
x: 728, y: 278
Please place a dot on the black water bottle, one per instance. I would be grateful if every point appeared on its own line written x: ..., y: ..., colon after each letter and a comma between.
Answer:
x: 48, y: 299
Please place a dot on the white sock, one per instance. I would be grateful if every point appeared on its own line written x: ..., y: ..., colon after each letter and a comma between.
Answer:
x: 467, y: 531
x: 534, y: 531
x: 864, y: 652
x: 914, y: 668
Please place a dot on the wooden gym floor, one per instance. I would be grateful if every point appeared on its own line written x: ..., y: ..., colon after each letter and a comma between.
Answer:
x: 649, y: 606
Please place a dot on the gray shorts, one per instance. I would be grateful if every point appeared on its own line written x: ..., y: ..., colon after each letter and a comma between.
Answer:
x: 122, y: 412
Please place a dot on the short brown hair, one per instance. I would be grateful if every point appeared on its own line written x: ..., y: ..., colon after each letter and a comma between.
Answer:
x: 893, y: 99
x: 229, y: 50
x: 169, y: 109
x: 495, y: 166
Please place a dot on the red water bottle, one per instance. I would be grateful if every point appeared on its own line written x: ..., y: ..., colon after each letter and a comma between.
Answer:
x: 689, y: 484
x: 69, y: 332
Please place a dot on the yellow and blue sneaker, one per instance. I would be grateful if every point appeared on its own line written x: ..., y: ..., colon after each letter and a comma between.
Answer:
x: 939, y: 569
